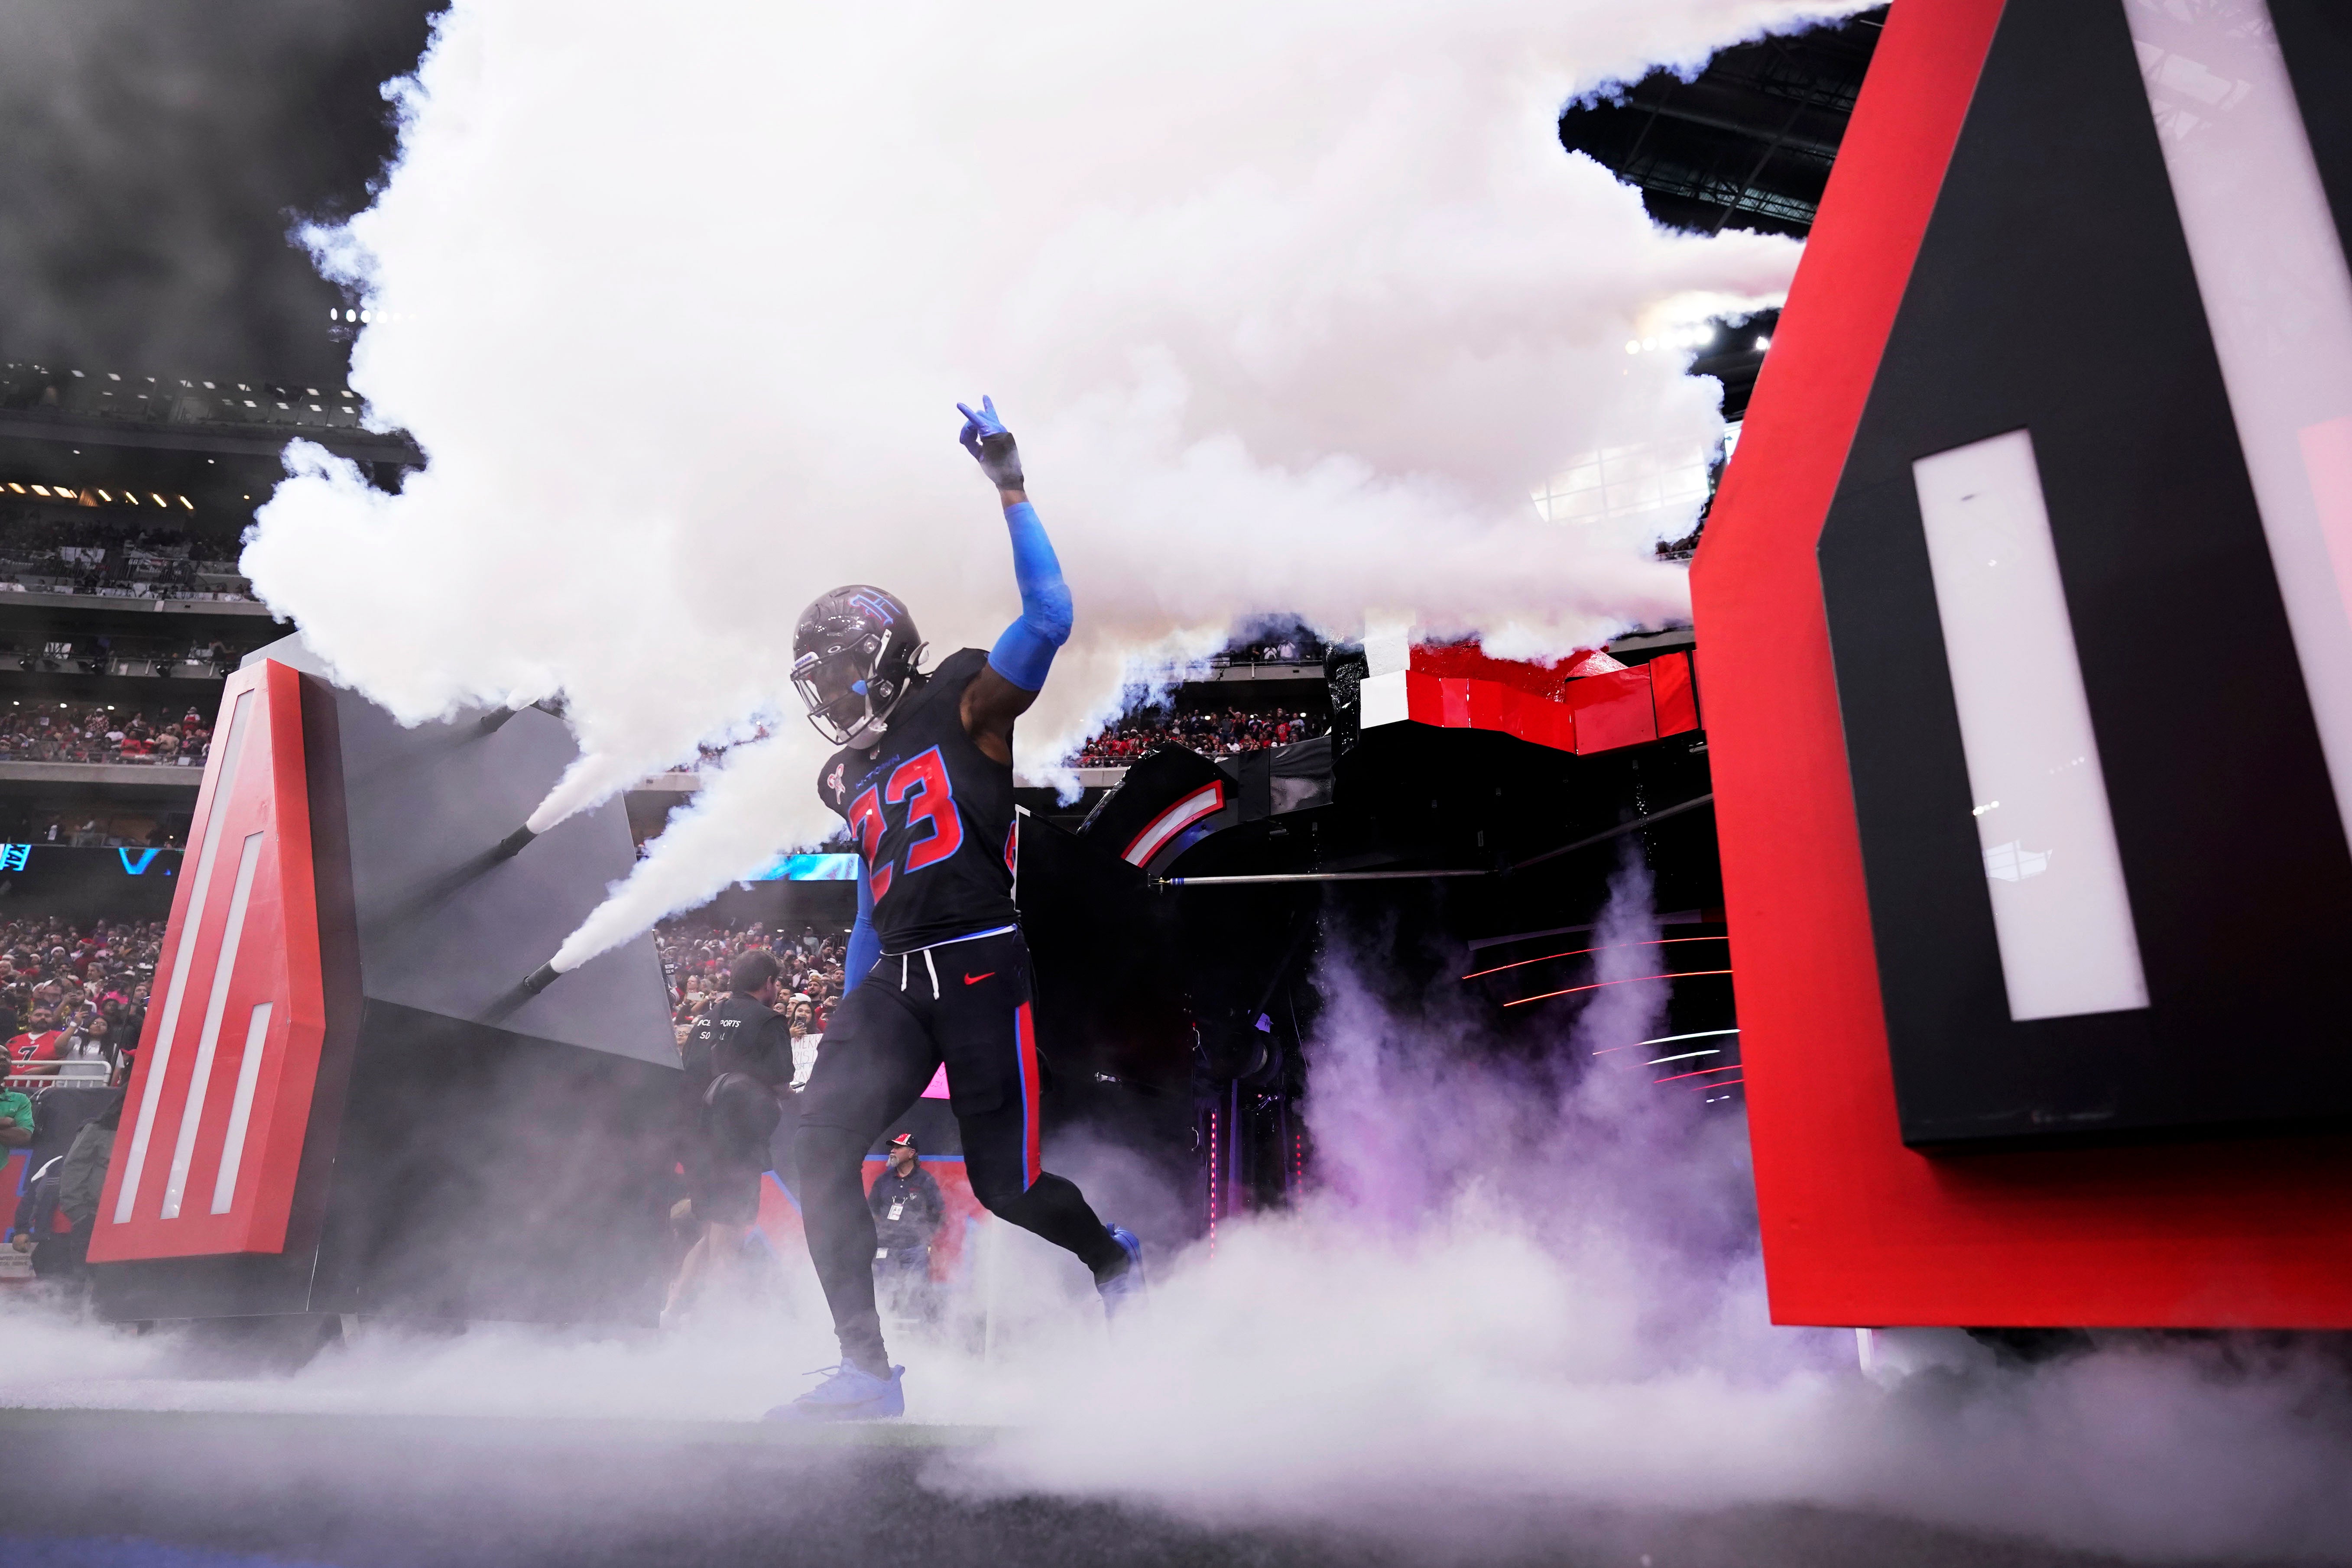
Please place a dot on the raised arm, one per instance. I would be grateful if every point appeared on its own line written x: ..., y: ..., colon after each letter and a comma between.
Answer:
x: 1017, y: 667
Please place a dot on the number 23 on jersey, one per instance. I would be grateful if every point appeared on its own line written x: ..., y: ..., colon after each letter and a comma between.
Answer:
x: 920, y: 784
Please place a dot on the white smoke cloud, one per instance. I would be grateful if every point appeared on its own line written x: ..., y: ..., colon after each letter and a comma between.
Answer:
x: 1290, y: 306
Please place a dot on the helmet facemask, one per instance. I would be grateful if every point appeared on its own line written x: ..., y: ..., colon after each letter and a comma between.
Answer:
x: 844, y: 705
x: 855, y: 664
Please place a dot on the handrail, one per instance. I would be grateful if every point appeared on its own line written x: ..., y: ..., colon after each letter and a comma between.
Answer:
x: 79, y: 1073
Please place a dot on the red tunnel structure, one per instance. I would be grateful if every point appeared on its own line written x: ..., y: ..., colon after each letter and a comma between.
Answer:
x: 218, y: 1109
x: 2003, y: 177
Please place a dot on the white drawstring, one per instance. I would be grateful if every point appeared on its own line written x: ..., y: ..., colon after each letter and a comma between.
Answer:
x: 933, y: 967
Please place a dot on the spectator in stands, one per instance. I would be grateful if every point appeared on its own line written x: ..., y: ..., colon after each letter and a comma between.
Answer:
x: 91, y: 1040
x: 106, y: 556
x: 15, y: 1120
x: 34, y: 1053
x: 907, y: 1209
x: 95, y: 733
x: 1211, y: 735
x: 93, y: 986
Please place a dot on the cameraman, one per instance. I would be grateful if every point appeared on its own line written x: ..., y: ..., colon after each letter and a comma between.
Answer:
x: 738, y: 1060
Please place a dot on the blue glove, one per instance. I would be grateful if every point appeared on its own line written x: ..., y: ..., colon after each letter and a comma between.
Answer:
x: 990, y: 444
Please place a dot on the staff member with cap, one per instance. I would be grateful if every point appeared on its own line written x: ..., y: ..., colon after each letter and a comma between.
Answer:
x: 907, y: 1208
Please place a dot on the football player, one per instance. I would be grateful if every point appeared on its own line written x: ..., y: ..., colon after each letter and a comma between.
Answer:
x: 937, y: 969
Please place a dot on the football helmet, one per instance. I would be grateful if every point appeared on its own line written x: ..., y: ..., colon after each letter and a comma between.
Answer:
x: 853, y: 656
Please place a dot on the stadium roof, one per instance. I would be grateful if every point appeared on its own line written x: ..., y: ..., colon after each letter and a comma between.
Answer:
x: 1745, y: 144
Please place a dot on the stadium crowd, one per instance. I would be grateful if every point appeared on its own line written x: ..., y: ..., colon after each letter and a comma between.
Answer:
x: 44, y: 554
x: 1288, y: 648
x: 97, y: 732
x: 1211, y: 734
x: 74, y: 994
x: 695, y: 959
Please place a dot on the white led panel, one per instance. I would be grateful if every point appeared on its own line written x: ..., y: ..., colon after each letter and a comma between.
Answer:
x: 2278, y: 302
x: 2067, y: 943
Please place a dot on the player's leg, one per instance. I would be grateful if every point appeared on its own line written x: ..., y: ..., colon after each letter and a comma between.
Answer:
x: 875, y: 1061
x: 986, y: 1029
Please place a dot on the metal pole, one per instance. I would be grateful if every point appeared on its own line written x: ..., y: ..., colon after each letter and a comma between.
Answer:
x: 1315, y: 877
x: 1619, y: 831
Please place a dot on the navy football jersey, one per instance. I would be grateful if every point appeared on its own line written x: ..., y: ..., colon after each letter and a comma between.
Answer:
x: 932, y: 816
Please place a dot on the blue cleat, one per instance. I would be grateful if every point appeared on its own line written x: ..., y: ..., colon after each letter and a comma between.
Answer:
x: 1124, y: 1289
x: 849, y: 1393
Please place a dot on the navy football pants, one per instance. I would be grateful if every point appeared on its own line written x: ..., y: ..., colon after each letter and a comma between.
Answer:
x: 966, y: 1004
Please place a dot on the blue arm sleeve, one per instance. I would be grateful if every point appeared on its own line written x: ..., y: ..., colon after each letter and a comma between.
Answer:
x: 1026, y: 652
x: 865, y: 946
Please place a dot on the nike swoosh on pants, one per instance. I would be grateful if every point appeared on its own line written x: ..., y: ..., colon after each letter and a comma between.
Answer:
x: 975, y: 980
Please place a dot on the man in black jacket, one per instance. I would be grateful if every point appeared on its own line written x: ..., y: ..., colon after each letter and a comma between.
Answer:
x: 907, y: 1209
x: 738, y: 1062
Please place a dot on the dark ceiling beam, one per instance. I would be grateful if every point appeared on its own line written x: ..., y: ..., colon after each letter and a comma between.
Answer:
x: 1717, y: 106
x: 1774, y: 110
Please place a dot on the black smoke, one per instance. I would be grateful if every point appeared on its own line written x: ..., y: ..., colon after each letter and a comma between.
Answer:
x: 159, y: 154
